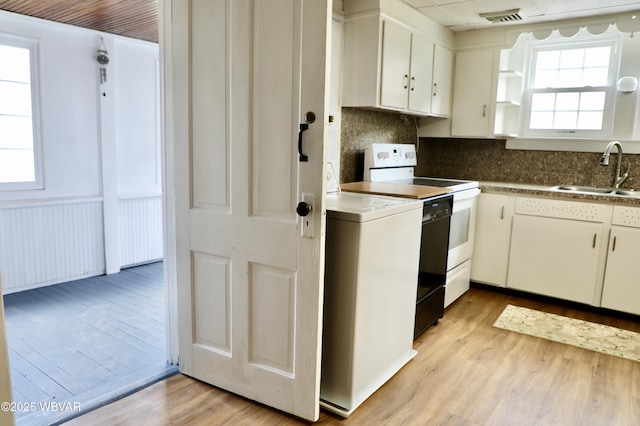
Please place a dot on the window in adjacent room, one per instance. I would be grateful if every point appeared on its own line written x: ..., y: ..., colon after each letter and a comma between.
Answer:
x: 570, y: 89
x: 19, y: 144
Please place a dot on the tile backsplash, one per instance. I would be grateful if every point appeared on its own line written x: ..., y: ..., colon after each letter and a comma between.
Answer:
x: 360, y: 127
x: 476, y: 159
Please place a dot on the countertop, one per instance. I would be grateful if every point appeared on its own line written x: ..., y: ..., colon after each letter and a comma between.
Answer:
x: 550, y: 192
x: 394, y: 189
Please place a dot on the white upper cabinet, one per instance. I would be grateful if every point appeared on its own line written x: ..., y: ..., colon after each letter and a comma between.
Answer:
x: 473, y: 94
x: 421, y: 74
x: 394, y: 66
x: 442, y: 81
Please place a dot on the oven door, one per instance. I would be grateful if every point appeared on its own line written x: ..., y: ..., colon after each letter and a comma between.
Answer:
x: 463, y: 223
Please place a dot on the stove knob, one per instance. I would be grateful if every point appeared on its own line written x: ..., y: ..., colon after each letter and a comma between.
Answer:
x: 303, y: 209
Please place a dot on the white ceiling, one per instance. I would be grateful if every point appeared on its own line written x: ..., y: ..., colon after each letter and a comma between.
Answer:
x: 463, y: 15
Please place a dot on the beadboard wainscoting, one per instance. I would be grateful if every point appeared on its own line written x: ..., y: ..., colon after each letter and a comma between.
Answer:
x: 48, y: 243
x: 140, y: 225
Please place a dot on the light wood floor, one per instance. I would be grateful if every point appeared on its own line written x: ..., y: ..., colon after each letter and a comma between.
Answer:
x: 466, y: 373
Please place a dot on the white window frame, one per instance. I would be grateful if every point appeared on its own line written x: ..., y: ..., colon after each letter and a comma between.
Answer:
x: 532, y: 48
x: 33, y: 45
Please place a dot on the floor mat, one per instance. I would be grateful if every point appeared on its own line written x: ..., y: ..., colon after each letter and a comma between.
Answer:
x: 583, y: 334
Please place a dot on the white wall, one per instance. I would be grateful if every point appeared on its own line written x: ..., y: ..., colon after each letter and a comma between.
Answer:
x: 137, y: 117
x: 100, y: 146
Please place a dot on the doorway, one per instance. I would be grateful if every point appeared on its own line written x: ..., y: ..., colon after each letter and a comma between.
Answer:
x: 101, y: 205
x: 78, y: 345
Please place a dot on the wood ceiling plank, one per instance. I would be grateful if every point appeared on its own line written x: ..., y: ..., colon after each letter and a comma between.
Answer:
x: 130, y: 18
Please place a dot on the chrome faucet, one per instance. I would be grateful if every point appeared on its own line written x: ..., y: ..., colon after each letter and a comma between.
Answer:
x: 604, y: 161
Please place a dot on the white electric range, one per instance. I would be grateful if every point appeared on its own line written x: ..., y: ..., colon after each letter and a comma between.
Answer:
x: 395, y: 163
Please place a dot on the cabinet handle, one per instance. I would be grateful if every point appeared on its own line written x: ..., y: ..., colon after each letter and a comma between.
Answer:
x: 406, y: 81
x: 484, y: 110
x: 435, y: 89
x: 595, y: 236
x: 502, y: 213
x: 614, y: 244
x: 413, y: 84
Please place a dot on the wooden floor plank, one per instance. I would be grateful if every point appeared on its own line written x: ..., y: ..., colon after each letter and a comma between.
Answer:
x: 54, y: 337
x: 63, y: 342
x: 21, y: 345
x: 466, y: 373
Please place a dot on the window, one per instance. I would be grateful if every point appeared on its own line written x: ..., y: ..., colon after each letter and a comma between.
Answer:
x: 19, y: 142
x: 570, y: 89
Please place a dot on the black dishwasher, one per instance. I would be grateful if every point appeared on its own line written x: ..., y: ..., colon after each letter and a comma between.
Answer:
x: 434, y: 247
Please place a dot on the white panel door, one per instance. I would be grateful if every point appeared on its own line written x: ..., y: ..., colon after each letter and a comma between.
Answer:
x: 244, y: 74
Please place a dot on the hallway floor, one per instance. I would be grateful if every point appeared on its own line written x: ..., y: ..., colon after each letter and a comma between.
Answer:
x: 77, y: 345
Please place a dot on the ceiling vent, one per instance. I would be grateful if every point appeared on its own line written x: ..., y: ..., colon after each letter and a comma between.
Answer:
x: 504, y: 16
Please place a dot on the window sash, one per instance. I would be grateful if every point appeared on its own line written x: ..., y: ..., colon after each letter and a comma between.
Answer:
x: 532, y: 128
x: 20, y: 150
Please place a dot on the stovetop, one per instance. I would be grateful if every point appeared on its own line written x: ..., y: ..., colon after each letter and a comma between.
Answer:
x: 432, y: 182
x: 453, y: 184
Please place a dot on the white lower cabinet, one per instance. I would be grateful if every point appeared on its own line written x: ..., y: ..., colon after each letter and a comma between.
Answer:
x: 558, y: 248
x: 621, y: 289
x: 579, y: 251
x: 492, y: 239
x: 555, y: 257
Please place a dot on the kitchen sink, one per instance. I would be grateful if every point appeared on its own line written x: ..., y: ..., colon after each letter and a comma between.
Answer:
x: 630, y: 192
x: 590, y: 189
x: 597, y: 190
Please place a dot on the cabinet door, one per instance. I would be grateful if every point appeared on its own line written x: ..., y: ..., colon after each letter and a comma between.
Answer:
x: 421, y: 74
x: 442, y: 78
x: 621, y: 284
x: 555, y: 257
x: 473, y: 81
x: 396, y: 53
x: 492, y: 239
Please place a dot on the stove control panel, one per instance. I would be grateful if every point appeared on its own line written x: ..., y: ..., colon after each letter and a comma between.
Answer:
x: 382, y: 155
x: 389, y: 161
